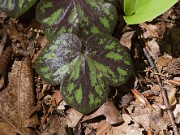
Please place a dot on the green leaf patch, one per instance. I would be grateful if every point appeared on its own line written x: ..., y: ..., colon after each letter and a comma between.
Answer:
x: 84, y: 69
x: 16, y: 8
x: 138, y: 11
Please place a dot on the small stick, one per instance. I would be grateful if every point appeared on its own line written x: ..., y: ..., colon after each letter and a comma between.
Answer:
x: 163, y: 91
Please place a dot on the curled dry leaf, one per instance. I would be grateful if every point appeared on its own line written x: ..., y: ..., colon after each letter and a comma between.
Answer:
x: 142, y: 99
x: 172, y: 97
x: 108, y: 110
x: 171, y: 93
x: 17, y: 100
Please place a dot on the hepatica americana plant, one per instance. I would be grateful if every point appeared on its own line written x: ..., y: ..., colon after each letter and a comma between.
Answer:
x: 81, y: 54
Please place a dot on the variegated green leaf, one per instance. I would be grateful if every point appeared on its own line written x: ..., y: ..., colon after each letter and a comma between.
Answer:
x: 16, y: 8
x: 84, y: 69
x: 114, y: 2
x: 81, y: 17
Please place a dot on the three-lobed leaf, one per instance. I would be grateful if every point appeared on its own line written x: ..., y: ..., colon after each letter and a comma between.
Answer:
x: 81, y: 17
x: 84, y: 74
x: 138, y: 11
x: 16, y: 8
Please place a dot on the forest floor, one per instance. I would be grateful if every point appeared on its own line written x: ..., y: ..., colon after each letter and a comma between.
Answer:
x: 149, y: 103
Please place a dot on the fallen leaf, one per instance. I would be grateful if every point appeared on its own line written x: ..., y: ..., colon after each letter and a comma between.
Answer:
x: 73, y: 117
x: 17, y: 100
x: 6, y: 129
x: 162, y: 63
x: 126, y: 99
x: 154, y: 48
x: 149, y: 120
x: 108, y: 110
x: 142, y: 99
x: 172, y: 97
x: 174, y: 82
x: 126, y: 39
x: 174, y: 67
x: 61, y: 105
x: 126, y: 128
x: 57, y: 96
x: 56, y: 126
x: 4, y: 62
x: 150, y: 29
x: 176, y: 113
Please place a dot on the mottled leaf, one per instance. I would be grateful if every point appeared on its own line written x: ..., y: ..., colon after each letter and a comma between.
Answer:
x: 82, y: 17
x: 84, y: 69
x: 16, y: 8
x: 114, y: 2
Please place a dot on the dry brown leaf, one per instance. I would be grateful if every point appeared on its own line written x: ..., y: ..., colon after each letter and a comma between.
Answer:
x: 151, y: 30
x: 41, y: 41
x: 172, y: 97
x: 126, y: 99
x: 3, y: 15
x: 126, y: 128
x: 17, y: 100
x: 154, y: 48
x: 171, y: 93
x: 2, y: 43
x: 153, y: 120
x: 61, y: 105
x: 4, y: 62
x: 73, y: 117
x: 91, y: 127
x: 162, y: 62
x: 142, y: 99
x: 126, y: 39
x: 12, y: 31
x: 6, y: 129
x: 174, y: 82
x: 108, y: 110
x: 176, y: 113
x: 174, y: 67
x: 56, y: 126
x: 104, y: 128
x: 57, y: 96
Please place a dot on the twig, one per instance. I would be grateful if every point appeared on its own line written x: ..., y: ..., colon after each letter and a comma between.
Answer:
x: 163, y: 91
